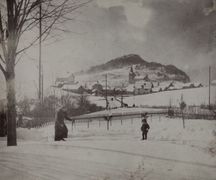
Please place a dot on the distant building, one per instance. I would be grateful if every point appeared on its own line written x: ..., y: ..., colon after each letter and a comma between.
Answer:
x: 188, y: 85
x: 133, y: 77
x: 142, y: 87
x: 166, y: 85
x: 75, y: 88
x: 65, y: 80
x: 97, y: 89
x: 197, y: 84
x: 213, y: 82
x: 130, y: 88
x: 156, y: 89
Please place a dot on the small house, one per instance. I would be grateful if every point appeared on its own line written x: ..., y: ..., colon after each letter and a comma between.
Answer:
x: 213, y: 83
x: 60, y: 81
x: 97, y: 89
x: 188, y: 85
x: 142, y: 87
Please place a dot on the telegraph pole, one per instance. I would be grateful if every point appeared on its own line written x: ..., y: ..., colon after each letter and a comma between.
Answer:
x: 40, y: 92
x: 209, y: 87
x: 122, y: 103
x: 106, y: 93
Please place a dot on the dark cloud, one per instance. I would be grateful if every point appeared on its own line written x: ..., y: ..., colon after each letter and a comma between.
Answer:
x: 181, y: 20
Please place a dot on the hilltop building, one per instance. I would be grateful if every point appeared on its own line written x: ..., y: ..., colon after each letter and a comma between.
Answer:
x: 141, y: 84
x: 132, y: 76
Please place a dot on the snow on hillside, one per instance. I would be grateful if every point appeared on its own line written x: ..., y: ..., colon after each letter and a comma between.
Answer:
x: 155, y: 71
x: 114, y: 77
x: 194, y: 96
x: 170, y: 152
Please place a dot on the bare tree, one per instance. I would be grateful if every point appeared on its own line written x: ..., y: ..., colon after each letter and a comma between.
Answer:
x: 16, y: 18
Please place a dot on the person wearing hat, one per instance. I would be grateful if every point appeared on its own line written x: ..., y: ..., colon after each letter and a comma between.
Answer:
x: 145, y: 126
x: 61, y: 130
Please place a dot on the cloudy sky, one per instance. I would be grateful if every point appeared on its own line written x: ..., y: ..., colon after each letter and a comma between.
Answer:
x: 178, y: 32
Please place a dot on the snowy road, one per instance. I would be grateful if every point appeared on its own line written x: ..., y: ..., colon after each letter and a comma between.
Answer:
x: 96, y: 161
x: 95, y: 154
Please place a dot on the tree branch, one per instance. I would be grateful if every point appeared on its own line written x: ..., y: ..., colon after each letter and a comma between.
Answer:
x: 3, y: 70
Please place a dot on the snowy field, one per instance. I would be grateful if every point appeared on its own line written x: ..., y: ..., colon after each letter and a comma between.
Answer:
x: 94, y: 153
x: 194, y: 96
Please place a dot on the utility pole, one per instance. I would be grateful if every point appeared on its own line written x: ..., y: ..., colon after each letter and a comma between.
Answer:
x: 40, y: 92
x: 42, y: 85
x: 209, y: 87
x: 182, y: 107
x: 106, y: 93
x: 122, y: 103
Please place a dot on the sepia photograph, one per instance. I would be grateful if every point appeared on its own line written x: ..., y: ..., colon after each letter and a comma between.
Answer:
x: 107, y: 89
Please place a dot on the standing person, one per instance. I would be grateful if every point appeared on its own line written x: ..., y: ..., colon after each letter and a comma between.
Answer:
x: 145, y: 126
x: 61, y: 130
x: 3, y: 123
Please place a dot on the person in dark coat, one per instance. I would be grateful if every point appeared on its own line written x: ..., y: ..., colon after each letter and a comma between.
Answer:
x: 61, y: 130
x: 3, y: 124
x: 145, y: 127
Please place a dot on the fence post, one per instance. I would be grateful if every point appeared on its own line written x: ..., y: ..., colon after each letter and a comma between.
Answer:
x: 72, y: 124
x: 107, y: 125
x: 183, y: 119
x: 88, y: 124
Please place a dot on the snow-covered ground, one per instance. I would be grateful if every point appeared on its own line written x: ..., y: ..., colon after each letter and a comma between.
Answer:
x: 194, y: 96
x: 170, y: 152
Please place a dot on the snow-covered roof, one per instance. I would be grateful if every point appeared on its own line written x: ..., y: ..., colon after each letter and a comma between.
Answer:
x: 163, y: 87
x: 94, y: 90
x: 156, y: 89
x: 61, y: 79
x: 213, y: 82
x: 188, y: 84
x: 197, y: 84
x: 166, y: 83
x: 71, y: 86
x: 130, y: 88
x: 172, y: 88
x: 143, y: 84
x: 139, y: 77
x: 178, y: 85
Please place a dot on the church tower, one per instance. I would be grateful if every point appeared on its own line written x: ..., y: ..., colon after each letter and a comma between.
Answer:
x: 131, y: 76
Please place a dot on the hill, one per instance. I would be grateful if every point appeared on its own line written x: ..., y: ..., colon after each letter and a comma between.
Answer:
x: 118, y: 69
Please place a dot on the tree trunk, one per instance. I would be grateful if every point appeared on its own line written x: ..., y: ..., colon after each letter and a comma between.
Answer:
x: 11, y: 108
x: 10, y: 73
